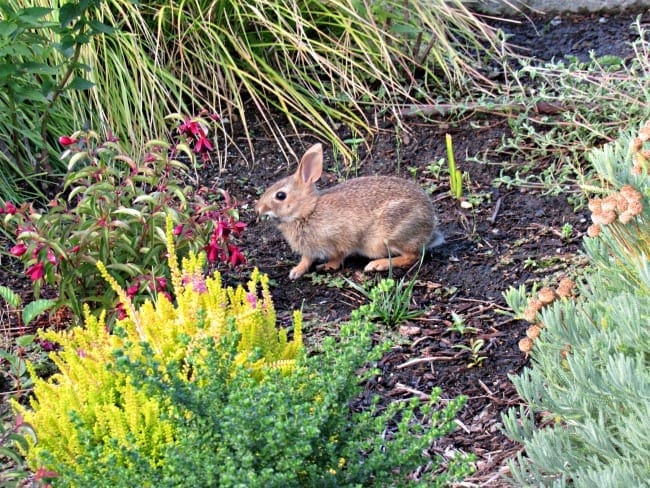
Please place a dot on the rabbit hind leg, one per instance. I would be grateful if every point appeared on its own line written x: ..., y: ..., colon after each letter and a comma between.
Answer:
x: 332, y: 264
x: 402, y: 261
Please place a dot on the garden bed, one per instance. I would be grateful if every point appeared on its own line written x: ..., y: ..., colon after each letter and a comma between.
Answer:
x: 500, y: 237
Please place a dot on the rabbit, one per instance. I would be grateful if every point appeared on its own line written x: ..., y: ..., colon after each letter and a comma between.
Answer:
x: 387, y: 219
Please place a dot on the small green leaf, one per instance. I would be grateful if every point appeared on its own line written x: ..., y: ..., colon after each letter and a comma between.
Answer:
x: 68, y: 13
x: 25, y: 340
x: 100, y: 27
x: 80, y: 84
x: 10, y: 296
x: 7, y: 28
x: 35, y: 308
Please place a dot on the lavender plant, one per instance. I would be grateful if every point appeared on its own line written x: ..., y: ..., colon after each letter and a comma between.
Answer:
x: 587, y: 391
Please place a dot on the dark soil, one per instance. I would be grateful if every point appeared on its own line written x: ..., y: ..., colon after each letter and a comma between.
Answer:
x: 505, y: 239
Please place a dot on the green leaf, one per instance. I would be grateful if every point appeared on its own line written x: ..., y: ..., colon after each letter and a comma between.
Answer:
x: 25, y: 340
x: 7, y: 28
x: 67, y: 14
x: 35, y: 308
x: 80, y: 84
x: 10, y: 296
x: 100, y: 27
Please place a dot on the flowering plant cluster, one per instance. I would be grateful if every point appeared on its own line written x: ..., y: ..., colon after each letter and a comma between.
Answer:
x: 207, y: 391
x: 90, y: 402
x: 112, y: 209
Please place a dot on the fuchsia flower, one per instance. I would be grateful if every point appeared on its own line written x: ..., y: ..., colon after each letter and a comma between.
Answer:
x: 10, y: 208
x: 161, y: 283
x: 35, y: 271
x: 190, y: 128
x: 132, y: 290
x: 67, y: 140
x: 178, y: 230
x: 236, y: 257
x: 203, y: 145
x: 237, y: 228
x: 18, y: 250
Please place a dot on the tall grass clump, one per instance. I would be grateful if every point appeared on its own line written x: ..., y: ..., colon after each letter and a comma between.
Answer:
x: 588, y: 389
x: 319, y: 63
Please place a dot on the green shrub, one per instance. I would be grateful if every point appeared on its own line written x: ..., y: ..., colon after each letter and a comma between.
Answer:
x: 208, y: 393
x: 113, y: 209
x: 590, y: 379
x: 40, y: 68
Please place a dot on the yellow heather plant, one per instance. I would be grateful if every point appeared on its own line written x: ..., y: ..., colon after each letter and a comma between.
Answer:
x: 89, y: 390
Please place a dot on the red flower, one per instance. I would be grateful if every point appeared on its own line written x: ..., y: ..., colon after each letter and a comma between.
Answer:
x: 18, y: 250
x: 43, y: 473
x: 10, y: 208
x: 203, y: 145
x: 132, y: 290
x: 75, y: 248
x: 161, y: 283
x: 222, y: 230
x: 190, y: 128
x: 237, y: 228
x: 236, y: 257
x: 66, y: 140
x: 35, y: 271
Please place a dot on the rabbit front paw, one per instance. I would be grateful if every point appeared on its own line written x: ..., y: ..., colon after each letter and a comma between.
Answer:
x: 301, y: 268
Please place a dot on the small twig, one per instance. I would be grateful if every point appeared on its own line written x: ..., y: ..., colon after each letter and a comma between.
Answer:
x: 420, y: 394
x: 430, y: 359
x: 462, y: 426
x: 497, y: 207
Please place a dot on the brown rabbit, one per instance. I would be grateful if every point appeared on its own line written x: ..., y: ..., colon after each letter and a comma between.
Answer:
x: 385, y: 218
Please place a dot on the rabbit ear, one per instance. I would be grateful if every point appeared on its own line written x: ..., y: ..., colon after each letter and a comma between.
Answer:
x: 311, y: 165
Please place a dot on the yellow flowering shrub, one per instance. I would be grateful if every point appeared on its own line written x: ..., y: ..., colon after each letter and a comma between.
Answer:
x: 90, y: 391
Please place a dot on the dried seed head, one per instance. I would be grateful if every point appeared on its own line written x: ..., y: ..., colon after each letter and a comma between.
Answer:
x: 637, y: 144
x: 603, y: 218
x: 631, y: 194
x: 595, y: 205
x: 610, y: 203
x: 532, y: 332
x: 565, y: 288
x: 546, y: 295
x: 644, y: 132
x: 635, y: 208
x: 593, y: 230
x: 526, y: 345
x: 565, y: 351
x: 621, y: 202
x: 534, y: 306
x: 625, y: 217
x: 637, y: 169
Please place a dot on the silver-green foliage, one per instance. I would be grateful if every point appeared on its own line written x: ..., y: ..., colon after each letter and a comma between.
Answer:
x: 590, y: 377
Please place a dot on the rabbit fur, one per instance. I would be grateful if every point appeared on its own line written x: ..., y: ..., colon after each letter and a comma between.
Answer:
x: 387, y: 219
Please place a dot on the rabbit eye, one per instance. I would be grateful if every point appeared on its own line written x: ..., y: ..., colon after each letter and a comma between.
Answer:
x: 280, y: 195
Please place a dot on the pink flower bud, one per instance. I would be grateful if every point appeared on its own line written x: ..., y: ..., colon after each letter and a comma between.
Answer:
x: 18, y: 250
x: 178, y: 230
x: 36, y: 271
x: 10, y: 208
x: 66, y: 140
x: 51, y: 257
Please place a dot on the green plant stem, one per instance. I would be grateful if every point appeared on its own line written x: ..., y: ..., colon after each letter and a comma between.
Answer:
x: 43, y: 161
